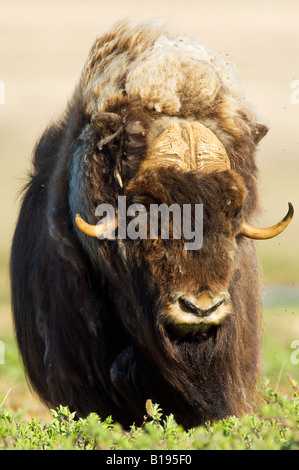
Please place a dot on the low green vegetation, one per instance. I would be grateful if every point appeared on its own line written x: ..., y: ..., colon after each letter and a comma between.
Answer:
x: 275, y: 427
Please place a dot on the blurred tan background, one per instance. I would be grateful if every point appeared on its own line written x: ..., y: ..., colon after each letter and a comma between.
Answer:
x: 43, y: 46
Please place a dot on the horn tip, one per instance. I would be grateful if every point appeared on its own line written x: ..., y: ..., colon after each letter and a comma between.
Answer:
x: 79, y: 221
x: 85, y: 228
x: 291, y: 210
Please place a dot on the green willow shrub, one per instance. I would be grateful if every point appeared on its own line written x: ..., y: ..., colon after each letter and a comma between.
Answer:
x: 274, y: 427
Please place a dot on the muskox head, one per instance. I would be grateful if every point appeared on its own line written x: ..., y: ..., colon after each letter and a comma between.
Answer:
x: 107, y: 317
x: 182, y: 287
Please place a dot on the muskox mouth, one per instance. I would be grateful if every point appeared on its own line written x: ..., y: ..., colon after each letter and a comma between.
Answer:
x: 189, y: 314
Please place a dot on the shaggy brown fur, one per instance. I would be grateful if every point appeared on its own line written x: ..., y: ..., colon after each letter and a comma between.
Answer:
x: 90, y: 314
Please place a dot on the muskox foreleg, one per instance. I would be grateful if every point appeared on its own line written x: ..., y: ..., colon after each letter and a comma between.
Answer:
x: 123, y: 370
x: 127, y: 382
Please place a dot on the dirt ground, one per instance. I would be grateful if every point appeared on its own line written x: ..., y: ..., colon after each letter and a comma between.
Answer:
x: 44, y: 44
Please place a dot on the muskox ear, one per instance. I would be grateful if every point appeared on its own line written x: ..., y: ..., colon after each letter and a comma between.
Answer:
x: 259, y: 131
x: 103, y: 121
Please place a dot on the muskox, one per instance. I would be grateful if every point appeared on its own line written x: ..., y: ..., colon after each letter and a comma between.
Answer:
x: 104, y: 323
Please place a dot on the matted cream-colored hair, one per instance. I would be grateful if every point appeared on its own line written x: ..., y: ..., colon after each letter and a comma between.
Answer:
x: 152, y: 64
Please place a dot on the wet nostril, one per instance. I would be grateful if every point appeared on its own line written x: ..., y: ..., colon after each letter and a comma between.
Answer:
x: 187, y: 306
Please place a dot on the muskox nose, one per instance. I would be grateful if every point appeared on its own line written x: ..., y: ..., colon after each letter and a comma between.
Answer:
x: 203, y: 304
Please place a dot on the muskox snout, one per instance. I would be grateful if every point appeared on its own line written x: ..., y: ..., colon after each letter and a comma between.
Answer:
x: 190, y: 313
x: 197, y: 308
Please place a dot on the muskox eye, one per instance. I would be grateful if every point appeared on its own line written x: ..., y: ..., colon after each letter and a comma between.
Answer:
x: 109, y: 139
x: 236, y: 212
